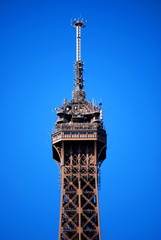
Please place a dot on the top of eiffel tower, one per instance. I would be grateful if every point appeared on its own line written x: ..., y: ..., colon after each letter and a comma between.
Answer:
x: 79, y: 111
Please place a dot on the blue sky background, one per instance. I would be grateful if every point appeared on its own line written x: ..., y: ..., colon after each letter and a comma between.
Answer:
x: 121, y: 52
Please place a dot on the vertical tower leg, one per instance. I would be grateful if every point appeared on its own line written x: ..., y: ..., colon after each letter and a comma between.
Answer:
x: 79, y: 218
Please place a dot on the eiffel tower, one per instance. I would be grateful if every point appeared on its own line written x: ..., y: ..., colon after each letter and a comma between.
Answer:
x: 79, y: 148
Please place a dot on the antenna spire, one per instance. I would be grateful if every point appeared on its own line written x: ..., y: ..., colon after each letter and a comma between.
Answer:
x: 78, y: 93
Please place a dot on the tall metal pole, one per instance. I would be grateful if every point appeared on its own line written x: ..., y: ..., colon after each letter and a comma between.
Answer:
x: 78, y: 93
x: 78, y: 24
x: 78, y: 43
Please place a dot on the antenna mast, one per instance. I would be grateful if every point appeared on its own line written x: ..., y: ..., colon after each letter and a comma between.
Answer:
x: 78, y: 93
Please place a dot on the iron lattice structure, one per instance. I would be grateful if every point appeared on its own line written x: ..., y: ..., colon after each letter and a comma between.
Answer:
x: 79, y: 148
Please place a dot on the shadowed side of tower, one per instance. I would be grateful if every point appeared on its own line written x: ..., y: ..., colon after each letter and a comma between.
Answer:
x: 79, y: 148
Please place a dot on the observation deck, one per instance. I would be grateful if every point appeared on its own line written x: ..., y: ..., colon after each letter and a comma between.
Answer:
x: 78, y: 132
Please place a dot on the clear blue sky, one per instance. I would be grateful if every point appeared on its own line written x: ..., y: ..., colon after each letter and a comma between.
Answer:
x: 121, y: 51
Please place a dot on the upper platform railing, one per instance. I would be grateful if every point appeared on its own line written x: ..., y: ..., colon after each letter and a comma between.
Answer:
x: 77, y: 126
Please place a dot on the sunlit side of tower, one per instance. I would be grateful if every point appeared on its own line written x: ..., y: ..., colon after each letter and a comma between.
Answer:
x: 79, y: 148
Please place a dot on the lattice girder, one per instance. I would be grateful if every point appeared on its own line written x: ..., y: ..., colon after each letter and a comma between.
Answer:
x: 79, y: 202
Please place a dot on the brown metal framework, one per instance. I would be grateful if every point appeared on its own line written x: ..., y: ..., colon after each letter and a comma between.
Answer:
x: 79, y: 148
